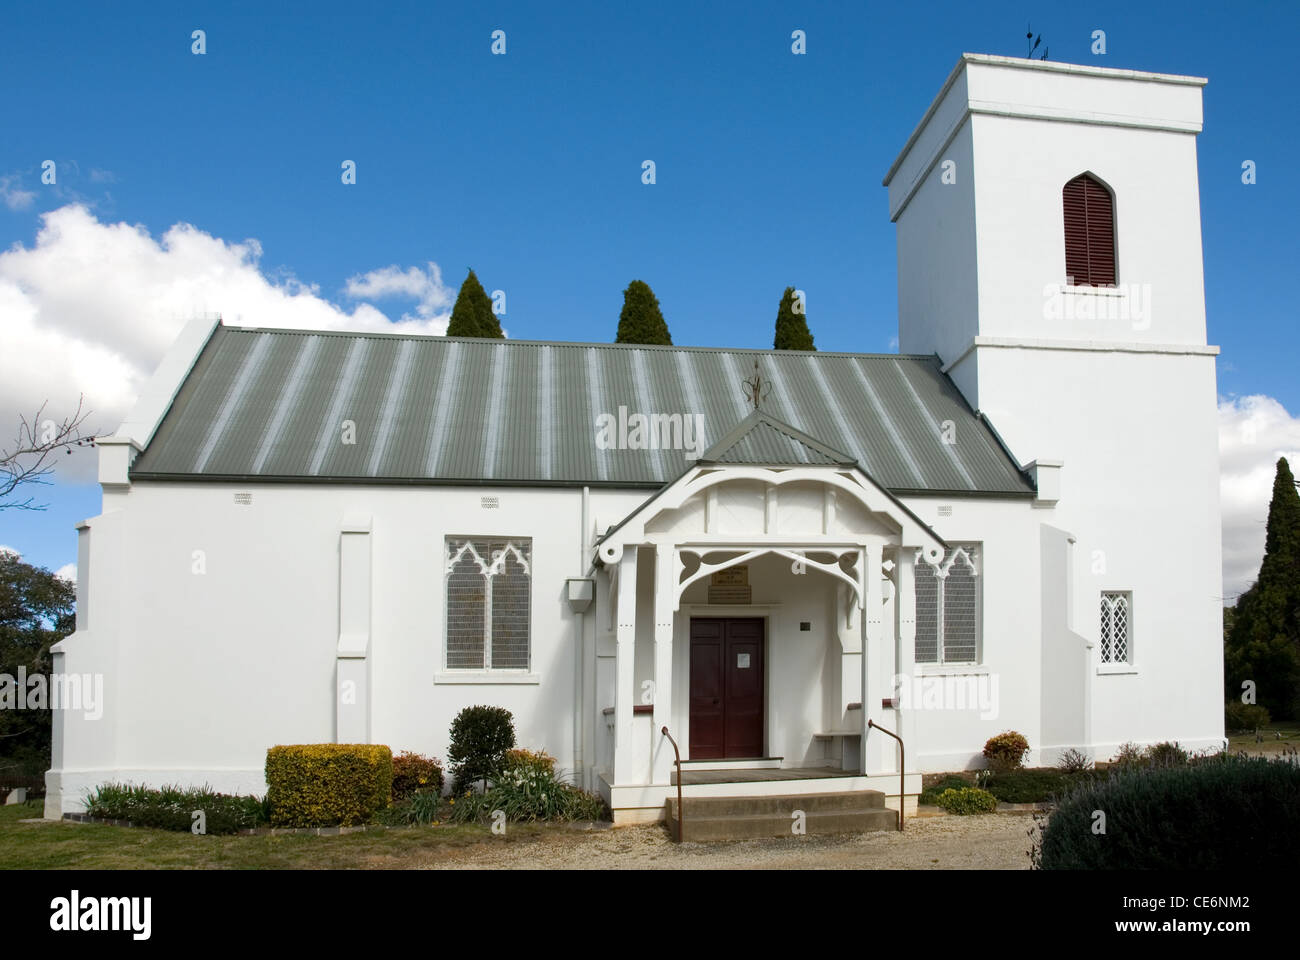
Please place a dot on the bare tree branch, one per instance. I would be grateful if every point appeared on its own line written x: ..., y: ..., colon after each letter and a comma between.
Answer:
x: 29, y: 459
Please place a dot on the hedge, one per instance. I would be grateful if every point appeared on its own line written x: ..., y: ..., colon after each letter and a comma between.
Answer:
x: 327, y: 784
x: 1226, y: 813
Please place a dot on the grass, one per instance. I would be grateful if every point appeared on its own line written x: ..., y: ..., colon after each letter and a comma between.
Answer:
x: 64, y: 845
x: 1277, y: 736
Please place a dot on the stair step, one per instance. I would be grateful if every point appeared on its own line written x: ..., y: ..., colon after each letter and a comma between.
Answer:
x: 778, y: 804
x: 754, y: 826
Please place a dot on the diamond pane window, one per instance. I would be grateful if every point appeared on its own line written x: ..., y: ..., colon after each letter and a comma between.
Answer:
x: 1116, y: 635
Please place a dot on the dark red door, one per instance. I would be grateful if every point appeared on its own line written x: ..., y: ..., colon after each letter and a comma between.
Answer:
x: 726, y: 689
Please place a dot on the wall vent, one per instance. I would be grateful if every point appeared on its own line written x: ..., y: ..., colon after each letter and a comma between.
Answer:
x: 945, y: 511
x: 244, y: 498
x: 489, y: 503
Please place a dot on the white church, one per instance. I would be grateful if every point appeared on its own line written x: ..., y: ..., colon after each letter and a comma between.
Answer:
x: 1012, y: 524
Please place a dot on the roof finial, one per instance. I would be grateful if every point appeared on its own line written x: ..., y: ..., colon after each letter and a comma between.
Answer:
x: 756, y: 389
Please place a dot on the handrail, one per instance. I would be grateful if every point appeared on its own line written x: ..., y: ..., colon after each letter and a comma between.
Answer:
x: 681, y: 810
x: 901, y: 767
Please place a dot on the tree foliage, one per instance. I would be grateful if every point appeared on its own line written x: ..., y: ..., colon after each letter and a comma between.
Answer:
x: 1263, y: 633
x: 792, y: 331
x: 472, y: 314
x: 36, y: 611
x: 641, y: 320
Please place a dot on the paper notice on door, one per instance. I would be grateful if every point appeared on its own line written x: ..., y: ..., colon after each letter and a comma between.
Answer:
x: 742, y: 661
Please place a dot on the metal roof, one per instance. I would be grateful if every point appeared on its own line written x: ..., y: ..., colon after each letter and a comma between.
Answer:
x: 762, y: 439
x: 274, y: 405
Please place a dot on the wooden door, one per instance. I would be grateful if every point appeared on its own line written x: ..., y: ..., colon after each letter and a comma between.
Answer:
x: 727, y: 688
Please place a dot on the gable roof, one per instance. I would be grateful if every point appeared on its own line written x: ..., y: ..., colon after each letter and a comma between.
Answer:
x: 762, y: 439
x: 271, y: 405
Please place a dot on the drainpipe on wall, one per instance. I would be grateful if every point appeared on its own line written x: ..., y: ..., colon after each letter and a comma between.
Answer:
x: 579, y: 642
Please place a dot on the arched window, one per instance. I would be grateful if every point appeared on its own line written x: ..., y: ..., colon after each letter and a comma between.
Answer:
x: 1089, y: 232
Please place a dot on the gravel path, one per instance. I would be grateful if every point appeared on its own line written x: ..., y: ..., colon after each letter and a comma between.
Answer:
x: 990, y: 842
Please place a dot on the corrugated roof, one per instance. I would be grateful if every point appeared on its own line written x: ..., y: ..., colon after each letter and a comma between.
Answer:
x: 274, y: 404
x: 762, y: 439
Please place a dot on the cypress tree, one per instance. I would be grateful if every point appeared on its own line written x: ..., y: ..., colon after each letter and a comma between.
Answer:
x: 1263, y: 643
x: 792, y: 331
x: 641, y: 320
x: 472, y: 315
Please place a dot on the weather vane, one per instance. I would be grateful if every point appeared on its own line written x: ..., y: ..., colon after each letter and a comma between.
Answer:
x: 1034, y: 46
x: 756, y: 388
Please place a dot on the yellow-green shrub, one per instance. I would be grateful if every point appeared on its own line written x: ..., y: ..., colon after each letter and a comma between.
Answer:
x: 327, y: 784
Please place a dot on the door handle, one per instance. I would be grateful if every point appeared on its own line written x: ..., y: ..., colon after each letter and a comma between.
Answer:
x: 715, y: 701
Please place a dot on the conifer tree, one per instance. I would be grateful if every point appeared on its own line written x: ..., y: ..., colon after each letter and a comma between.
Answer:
x: 792, y: 331
x: 641, y: 320
x: 1263, y: 644
x: 472, y: 315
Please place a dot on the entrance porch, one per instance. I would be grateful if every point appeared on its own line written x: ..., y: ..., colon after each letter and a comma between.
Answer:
x: 759, y: 615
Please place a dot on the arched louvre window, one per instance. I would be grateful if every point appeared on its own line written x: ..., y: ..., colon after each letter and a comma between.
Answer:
x: 489, y: 587
x: 948, y: 615
x: 1089, y: 232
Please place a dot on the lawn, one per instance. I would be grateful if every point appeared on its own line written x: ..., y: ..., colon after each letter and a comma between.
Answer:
x: 93, y: 846
x: 1274, y: 739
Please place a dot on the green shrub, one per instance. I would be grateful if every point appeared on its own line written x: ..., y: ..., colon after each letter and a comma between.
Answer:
x: 968, y: 800
x: 1226, y: 813
x: 525, y: 792
x: 480, y: 737
x: 328, y: 784
x: 1166, y: 755
x: 539, y: 761
x: 1245, y: 716
x: 1033, y: 786
x: 931, y: 793
x: 413, y: 773
x: 172, y: 807
x: 1006, y: 751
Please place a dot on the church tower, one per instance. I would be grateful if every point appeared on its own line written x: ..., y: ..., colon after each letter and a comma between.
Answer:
x: 1049, y: 252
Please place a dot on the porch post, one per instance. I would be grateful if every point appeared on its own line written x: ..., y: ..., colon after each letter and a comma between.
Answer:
x: 625, y: 666
x: 871, y: 640
x: 665, y: 580
x: 905, y: 616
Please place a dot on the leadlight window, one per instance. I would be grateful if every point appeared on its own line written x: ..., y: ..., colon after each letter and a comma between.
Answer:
x: 489, y: 588
x: 1116, y: 627
x: 948, y: 614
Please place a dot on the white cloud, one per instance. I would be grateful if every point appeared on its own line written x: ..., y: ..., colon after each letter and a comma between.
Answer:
x: 424, y: 286
x: 91, y: 307
x: 1253, y: 432
x: 67, y: 572
x: 13, y: 196
x: 8, y: 551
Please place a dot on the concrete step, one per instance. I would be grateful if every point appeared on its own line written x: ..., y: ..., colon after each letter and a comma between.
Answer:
x: 778, y: 804
x: 758, y: 826
x: 746, y: 818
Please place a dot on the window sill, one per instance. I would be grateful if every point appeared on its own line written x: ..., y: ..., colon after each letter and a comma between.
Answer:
x: 1116, y: 291
x: 953, y: 669
x: 486, y: 676
x: 1115, y: 669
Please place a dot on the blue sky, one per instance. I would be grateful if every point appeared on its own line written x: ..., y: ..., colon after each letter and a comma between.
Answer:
x: 527, y: 166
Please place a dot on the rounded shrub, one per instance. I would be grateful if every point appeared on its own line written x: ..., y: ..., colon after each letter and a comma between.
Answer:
x: 1006, y: 751
x: 1245, y: 716
x: 480, y: 737
x: 967, y: 800
x: 1227, y: 812
x: 415, y: 773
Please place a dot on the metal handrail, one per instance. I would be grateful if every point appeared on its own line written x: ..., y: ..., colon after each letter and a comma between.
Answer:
x: 901, y: 767
x: 681, y: 810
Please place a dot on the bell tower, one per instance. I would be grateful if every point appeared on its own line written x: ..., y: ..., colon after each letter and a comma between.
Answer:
x: 1049, y: 252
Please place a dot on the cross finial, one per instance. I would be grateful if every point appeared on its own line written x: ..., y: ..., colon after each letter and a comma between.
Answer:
x: 756, y: 388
